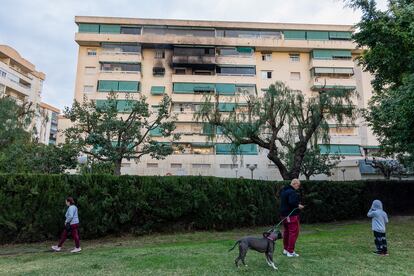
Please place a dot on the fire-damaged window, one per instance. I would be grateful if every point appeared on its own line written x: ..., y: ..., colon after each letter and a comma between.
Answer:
x: 158, y: 71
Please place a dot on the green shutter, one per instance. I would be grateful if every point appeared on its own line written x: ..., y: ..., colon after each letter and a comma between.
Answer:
x: 225, y: 89
x: 157, y: 90
x: 204, y: 87
x: 340, y: 35
x: 226, y: 149
x: 156, y: 132
x: 110, y: 29
x: 244, y: 50
x: 295, y: 35
x: 348, y: 150
x: 107, y: 86
x: 183, y: 88
x: 125, y: 105
x: 322, y: 54
x: 341, y: 53
x: 88, y: 28
x: 208, y: 129
x: 128, y: 86
x: 317, y: 35
x: 226, y: 107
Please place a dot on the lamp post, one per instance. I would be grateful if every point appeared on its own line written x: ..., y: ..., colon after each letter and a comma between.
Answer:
x: 252, y: 168
x: 237, y: 172
x: 343, y: 173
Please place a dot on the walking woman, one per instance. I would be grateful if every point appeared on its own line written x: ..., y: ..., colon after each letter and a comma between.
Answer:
x: 71, y: 226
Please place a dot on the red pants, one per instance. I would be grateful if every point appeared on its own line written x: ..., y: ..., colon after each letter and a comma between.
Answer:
x: 74, y: 233
x: 291, y: 233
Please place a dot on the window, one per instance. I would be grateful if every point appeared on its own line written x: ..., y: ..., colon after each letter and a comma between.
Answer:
x: 229, y: 166
x: 266, y: 75
x: 159, y: 54
x: 233, y: 70
x: 294, y: 57
x: 125, y: 165
x: 201, y: 166
x: 158, y: 71
x: 121, y: 66
x: 266, y: 57
x: 90, y: 70
x: 152, y: 165
x: 179, y: 71
x: 130, y: 30
x: 176, y: 166
x: 2, y: 74
x: 88, y: 89
x: 91, y: 52
x: 295, y: 75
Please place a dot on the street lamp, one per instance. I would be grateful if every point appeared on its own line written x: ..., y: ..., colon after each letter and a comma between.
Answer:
x: 252, y: 168
x: 343, y: 173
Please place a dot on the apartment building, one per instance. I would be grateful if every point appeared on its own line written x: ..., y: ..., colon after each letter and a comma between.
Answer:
x: 20, y: 80
x: 47, y: 124
x: 186, y: 59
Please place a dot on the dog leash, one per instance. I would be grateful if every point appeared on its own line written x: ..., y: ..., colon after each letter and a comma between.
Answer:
x: 284, y: 218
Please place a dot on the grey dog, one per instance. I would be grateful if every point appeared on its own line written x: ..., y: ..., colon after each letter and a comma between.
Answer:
x: 266, y: 245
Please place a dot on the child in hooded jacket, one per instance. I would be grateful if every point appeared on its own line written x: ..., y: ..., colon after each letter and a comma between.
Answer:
x: 379, y: 221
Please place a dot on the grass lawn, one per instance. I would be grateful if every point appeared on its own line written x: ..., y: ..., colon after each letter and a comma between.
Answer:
x: 326, y: 249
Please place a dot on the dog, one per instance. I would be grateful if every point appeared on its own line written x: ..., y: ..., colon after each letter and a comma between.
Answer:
x: 266, y: 245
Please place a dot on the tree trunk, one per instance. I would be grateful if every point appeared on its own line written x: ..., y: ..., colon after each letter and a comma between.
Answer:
x: 307, y: 177
x: 117, y: 168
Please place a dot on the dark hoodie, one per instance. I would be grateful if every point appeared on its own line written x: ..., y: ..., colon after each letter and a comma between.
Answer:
x: 379, y: 217
x: 289, y: 200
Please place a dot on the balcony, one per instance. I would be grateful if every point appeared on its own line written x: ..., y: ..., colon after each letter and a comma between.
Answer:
x: 339, y: 63
x: 320, y: 82
x: 116, y: 56
x: 201, y: 62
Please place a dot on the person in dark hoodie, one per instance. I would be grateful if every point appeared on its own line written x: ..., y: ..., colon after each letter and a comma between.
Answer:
x: 379, y: 220
x: 289, y: 210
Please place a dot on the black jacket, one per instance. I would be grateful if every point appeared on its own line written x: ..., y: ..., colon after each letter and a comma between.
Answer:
x: 289, y: 200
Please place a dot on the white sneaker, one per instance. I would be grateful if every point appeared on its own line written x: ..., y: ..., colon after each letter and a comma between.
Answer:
x: 285, y: 252
x: 292, y: 254
x: 75, y: 250
x: 56, y: 248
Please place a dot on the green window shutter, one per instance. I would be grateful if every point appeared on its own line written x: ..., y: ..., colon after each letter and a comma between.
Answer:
x: 347, y: 150
x: 317, y: 35
x: 128, y: 86
x: 101, y: 103
x: 204, y: 87
x: 157, y: 90
x: 322, y: 54
x: 107, y: 86
x: 156, y: 132
x: 226, y: 149
x: 226, y: 107
x: 223, y: 149
x: 295, y: 35
x: 245, y: 50
x: 248, y: 149
x: 219, y: 130
x: 341, y: 53
x: 340, y: 35
x: 110, y: 29
x: 125, y: 105
x: 349, y: 71
x: 225, y: 89
x: 323, y: 70
x: 88, y: 28
x: 208, y: 129
x: 183, y: 88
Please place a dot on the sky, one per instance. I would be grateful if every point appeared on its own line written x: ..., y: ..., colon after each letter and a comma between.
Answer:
x: 43, y: 31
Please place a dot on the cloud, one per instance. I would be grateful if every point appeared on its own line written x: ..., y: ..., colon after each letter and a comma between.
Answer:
x: 43, y: 30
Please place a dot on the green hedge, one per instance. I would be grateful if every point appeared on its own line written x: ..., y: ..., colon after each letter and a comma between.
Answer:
x: 32, y: 206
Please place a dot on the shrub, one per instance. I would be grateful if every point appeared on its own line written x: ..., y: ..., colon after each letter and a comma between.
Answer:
x: 32, y: 206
